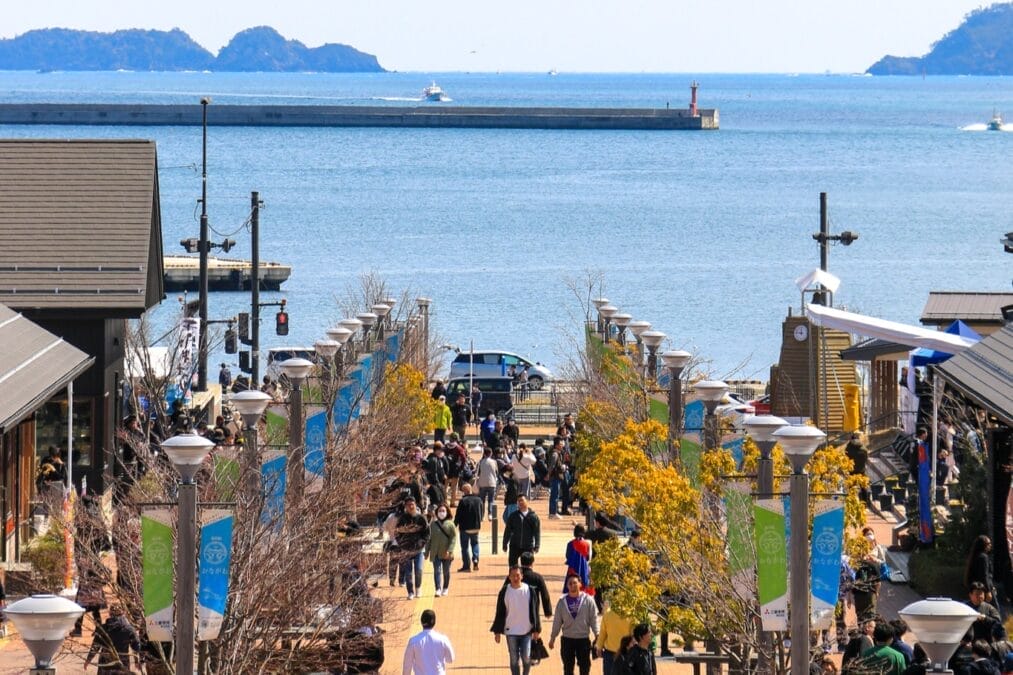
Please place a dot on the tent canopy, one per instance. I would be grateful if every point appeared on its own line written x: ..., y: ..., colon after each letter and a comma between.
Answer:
x: 912, y: 336
x: 924, y: 356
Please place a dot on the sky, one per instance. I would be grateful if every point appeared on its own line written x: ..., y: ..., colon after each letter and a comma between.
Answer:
x: 681, y: 36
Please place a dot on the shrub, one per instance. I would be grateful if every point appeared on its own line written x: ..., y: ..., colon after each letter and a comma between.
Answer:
x: 937, y: 572
x: 47, y: 556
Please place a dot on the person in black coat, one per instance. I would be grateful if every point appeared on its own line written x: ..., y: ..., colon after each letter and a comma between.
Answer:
x: 412, y: 534
x: 469, y: 523
x: 114, y: 639
x: 536, y: 582
x: 523, y: 531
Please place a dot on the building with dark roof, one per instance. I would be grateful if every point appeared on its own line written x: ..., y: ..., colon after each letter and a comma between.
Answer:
x: 80, y: 253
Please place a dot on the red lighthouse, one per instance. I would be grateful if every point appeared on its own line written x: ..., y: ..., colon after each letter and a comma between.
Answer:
x: 692, y: 99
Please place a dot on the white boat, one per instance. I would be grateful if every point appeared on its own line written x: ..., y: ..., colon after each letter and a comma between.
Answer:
x: 995, y: 124
x: 434, y: 93
x: 553, y: 72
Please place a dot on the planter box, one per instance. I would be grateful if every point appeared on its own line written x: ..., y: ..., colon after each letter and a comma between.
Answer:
x: 886, y: 502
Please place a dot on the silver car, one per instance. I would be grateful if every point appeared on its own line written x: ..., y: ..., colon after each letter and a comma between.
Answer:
x: 497, y: 364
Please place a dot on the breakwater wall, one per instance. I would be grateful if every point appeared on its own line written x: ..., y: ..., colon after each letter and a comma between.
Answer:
x: 423, y: 116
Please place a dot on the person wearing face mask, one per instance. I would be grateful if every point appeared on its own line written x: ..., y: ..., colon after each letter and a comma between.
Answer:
x: 877, y: 551
x: 440, y: 548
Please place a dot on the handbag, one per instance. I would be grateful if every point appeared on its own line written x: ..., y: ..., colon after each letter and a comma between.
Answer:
x: 538, y: 650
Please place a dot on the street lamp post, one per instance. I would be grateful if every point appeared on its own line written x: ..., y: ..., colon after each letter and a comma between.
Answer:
x: 341, y: 335
x: 352, y: 325
x: 368, y: 320
x: 250, y: 405
x: 43, y: 622
x: 607, y: 312
x: 711, y: 392
x: 621, y: 321
x: 675, y: 361
x: 652, y: 339
x: 939, y: 624
x: 187, y: 453
x: 296, y: 370
x: 424, y: 304
x: 798, y: 444
x: 205, y: 245
x: 637, y: 328
x: 381, y: 310
x: 761, y: 428
x: 598, y: 304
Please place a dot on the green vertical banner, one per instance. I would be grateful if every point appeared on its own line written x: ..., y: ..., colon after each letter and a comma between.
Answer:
x: 157, y: 567
x: 225, y: 463
x: 213, y: 568
x: 738, y: 513
x: 771, y: 564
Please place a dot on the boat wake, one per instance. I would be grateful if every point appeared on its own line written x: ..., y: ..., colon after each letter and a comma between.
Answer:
x: 985, y: 127
x: 393, y: 98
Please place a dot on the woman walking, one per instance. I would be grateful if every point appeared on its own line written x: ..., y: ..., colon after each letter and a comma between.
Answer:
x: 576, y: 616
x: 440, y: 549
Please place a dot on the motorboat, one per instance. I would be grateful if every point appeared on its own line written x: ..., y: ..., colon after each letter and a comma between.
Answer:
x: 995, y: 124
x: 434, y: 93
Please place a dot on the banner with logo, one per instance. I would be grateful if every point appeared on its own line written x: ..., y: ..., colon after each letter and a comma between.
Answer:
x: 771, y: 563
x: 213, y: 571
x: 313, y: 451
x: 157, y: 570
x: 691, y: 443
x: 738, y: 512
x: 272, y: 474
x: 346, y: 404
x: 825, y: 560
x: 393, y: 346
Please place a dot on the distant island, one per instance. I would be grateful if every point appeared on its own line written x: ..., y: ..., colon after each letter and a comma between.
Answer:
x: 260, y: 49
x: 981, y: 45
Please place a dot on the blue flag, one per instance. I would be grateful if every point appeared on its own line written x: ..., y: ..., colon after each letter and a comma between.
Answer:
x: 215, y: 560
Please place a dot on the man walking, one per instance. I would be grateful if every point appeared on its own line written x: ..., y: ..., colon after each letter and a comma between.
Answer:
x: 523, y: 531
x: 640, y: 657
x: 460, y: 416
x: 536, y: 582
x: 469, y: 523
x: 517, y: 618
x: 429, y: 651
x: 412, y: 534
x: 441, y: 419
x: 488, y: 479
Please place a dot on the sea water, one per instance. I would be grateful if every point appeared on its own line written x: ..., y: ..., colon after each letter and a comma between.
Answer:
x: 700, y: 233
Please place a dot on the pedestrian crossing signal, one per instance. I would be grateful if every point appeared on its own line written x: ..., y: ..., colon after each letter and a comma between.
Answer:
x: 281, y: 323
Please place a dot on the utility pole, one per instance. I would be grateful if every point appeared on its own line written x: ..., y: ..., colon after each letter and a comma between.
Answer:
x: 255, y: 289
x: 823, y: 237
x: 205, y: 245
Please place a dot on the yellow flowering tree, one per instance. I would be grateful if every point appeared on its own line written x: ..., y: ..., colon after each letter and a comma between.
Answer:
x: 404, y: 401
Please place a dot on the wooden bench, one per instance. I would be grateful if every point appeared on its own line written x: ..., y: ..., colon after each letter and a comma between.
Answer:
x: 705, y: 658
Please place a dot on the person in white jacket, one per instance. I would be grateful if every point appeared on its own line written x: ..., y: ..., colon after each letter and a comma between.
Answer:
x: 427, y: 652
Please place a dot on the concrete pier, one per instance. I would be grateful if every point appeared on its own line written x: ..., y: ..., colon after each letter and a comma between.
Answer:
x: 421, y: 116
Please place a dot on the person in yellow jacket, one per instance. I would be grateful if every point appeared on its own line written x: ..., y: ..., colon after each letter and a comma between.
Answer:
x: 442, y: 419
x: 613, y: 629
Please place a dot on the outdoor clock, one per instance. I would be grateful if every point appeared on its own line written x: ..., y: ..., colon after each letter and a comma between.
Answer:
x: 801, y: 332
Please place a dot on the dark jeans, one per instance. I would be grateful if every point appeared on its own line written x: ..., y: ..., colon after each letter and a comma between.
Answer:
x: 441, y: 573
x: 439, y: 435
x: 411, y: 562
x: 607, y: 660
x: 579, y: 649
x: 469, y: 549
x: 488, y: 497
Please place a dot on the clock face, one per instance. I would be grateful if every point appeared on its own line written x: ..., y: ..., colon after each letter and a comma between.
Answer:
x: 801, y: 332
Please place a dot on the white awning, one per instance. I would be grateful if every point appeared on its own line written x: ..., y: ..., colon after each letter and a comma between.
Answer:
x: 868, y: 326
x: 818, y: 276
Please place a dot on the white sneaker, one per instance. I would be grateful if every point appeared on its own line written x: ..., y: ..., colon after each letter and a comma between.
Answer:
x: 446, y: 591
x: 553, y: 516
x: 411, y: 596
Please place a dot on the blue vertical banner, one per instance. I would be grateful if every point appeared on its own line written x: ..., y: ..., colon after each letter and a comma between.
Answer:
x: 213, y: 578
x: 735, y: 447
x: 926, y: 529
x: 393, y: 348
x: 272, y: 474
x: 313, y: 452
x: 366, y: 377
x: 345, y: 405
x: 825, y: 560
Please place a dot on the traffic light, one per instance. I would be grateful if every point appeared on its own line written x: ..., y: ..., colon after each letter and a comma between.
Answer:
x: 244, y: 327
x: 231, y: 346
x: 281, y: 323
x: 244, y: 361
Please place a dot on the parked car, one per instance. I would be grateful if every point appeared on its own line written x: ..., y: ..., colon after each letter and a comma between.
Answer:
x: 276, y: 355
x: 497, y: 363
x: 761, y: 405
x: 736, y: 408
x: 497, y: 393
